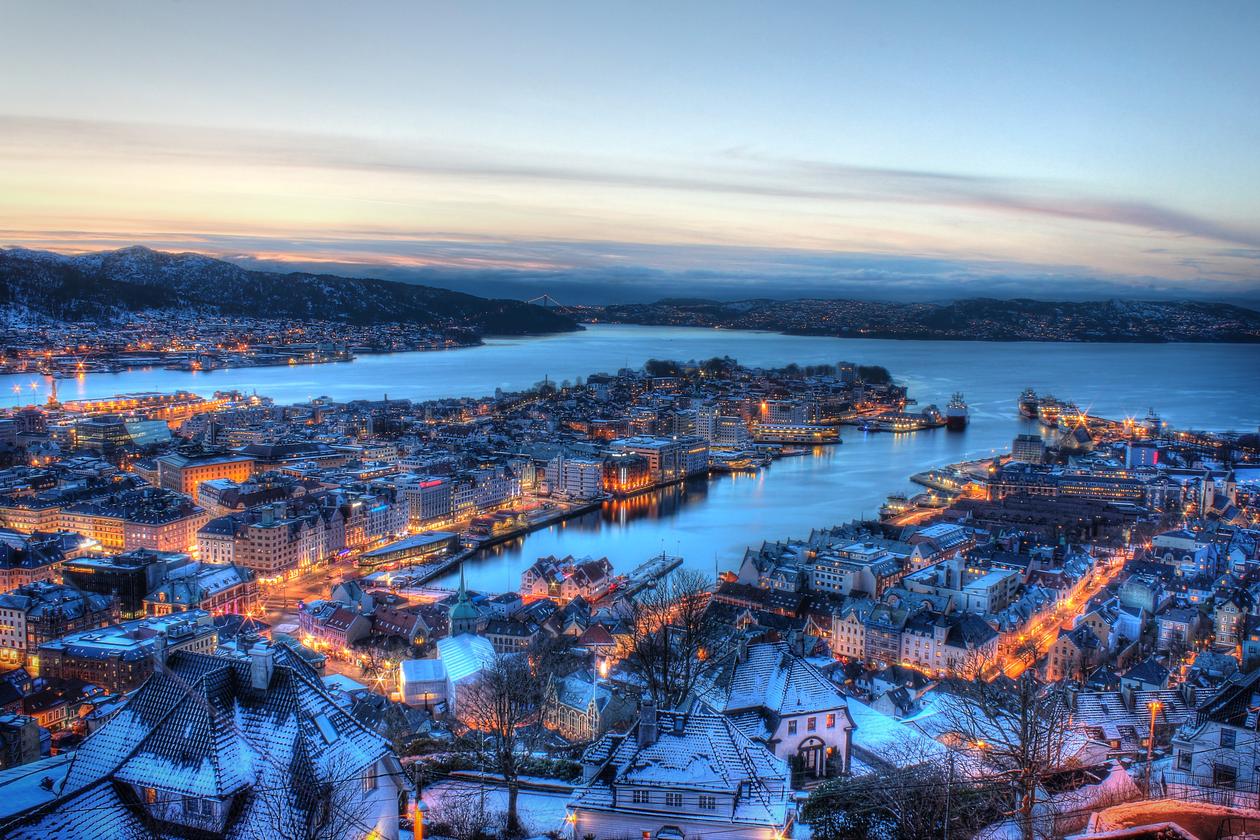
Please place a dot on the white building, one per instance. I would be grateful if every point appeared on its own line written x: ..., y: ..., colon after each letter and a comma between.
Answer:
x: 675, y: 776
x: 462, y: 657
x: 780, y: 700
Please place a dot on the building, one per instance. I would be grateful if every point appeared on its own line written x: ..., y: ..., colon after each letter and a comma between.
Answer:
x: 128, y: 577
x: 563, y: 580
x: 416, y: 549
x: 212, y: 587
x: 430, y: 501
x: 331, y: 626
x: 226, y: 746
x: 580, y: 707
x: 801, y: 433
x: 669, y: 459
x: 1073, y: 654
x: 626, y: 473
x: 971, y: 587
x: 276, y: 539
x: 122, y: 656
x: 1029, y: 449
x: 786, y: 704
x: 221, y: 496
x: 676, y: 775
x: 576, y: 478
x: 160, y: 520
x: 958, y: 644
x: 1214, y: 751
x: 40, y: 612
x: 463, y: 658
x: 19, y: 740
x: 104, y: 433
x: 422, y: 682
x: 26, y: 558
x: 183, y: 472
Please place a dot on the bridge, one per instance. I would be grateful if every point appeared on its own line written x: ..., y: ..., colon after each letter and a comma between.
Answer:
x: 546, y: 301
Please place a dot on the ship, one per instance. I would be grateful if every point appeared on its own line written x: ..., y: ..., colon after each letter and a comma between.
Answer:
x: 956, y: 413
x: 1048, y: 410
x: 1028, y: 404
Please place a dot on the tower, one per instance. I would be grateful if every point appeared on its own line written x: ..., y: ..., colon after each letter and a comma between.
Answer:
x: 464, y: 616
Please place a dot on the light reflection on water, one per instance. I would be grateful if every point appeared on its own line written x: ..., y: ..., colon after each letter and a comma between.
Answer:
x: 1193, y: 385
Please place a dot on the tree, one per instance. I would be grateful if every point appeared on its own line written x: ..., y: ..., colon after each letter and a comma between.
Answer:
x: 462, y: 814
x: 675, y: 644
x: 913, y: 796
x: 503, y: 707
x: 661, y: 367
x: 1018, y: 728
x: 322, y: 810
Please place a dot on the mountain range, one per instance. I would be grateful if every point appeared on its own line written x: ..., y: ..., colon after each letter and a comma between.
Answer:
x: 99, y: 286
x: 972, y: 319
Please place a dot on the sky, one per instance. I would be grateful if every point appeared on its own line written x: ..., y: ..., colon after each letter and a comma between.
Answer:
x: 604, y: 152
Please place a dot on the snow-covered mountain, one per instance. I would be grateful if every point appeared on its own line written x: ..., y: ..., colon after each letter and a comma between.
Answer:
x: 99, y: 285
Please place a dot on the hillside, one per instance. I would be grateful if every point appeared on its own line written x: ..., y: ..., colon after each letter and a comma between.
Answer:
x: 100, y: 285
x: 975, y: 319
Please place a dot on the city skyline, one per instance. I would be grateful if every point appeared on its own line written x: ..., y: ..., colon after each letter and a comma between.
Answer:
x: 634, y: 153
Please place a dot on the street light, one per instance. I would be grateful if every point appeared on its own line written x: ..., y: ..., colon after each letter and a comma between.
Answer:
x: 418, y: 821
x: 1155, y: 706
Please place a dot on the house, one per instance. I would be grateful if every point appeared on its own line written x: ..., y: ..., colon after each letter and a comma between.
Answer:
x: 565, y: 579
x: 784, y: 702
x: 510, y: 635
x: 19, y: 740
x: 250, y: 745
x: 214, y: 587
x: 1073, y: 654
x: 1122, y: 719
x: 581, y: 707
x: 1147, y: 675
x: 676, y: 775
x: 397, y: 624
x: 1214, y: 752
x: 1177, y: 628
x: 1228, y: 618
x: 332, y: 625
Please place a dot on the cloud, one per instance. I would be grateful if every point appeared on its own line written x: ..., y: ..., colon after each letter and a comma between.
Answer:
x: 618, y: 272
x: 732, y: 172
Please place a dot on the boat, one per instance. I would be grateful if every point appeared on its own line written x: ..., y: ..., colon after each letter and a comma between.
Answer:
x: 1028, y: 403
x: 1048, y: 410
x: 896, y: 505
x: 956, y: 413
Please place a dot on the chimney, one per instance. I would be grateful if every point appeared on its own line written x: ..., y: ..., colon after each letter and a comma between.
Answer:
x: 261, y: 664
x: 680, y: 723
x: 647, y: 723
x: 159, y: 650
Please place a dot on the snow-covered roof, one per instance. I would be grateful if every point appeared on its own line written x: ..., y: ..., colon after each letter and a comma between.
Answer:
x: 464, y: 655
x: 881, y: 739
x: 416, y: 671
x: 773, y: 679
x: 199, y: 728
x: 697, y: 751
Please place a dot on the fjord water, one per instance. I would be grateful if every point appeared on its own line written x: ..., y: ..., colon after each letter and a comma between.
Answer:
x: 710, y: 522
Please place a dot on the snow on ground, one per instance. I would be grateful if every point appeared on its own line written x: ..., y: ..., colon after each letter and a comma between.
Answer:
x: 1201, y: 819
x: 884, y: 737
x: 541, y: 812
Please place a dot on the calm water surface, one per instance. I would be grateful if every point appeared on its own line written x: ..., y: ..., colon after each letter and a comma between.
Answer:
x: 710, y: 522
